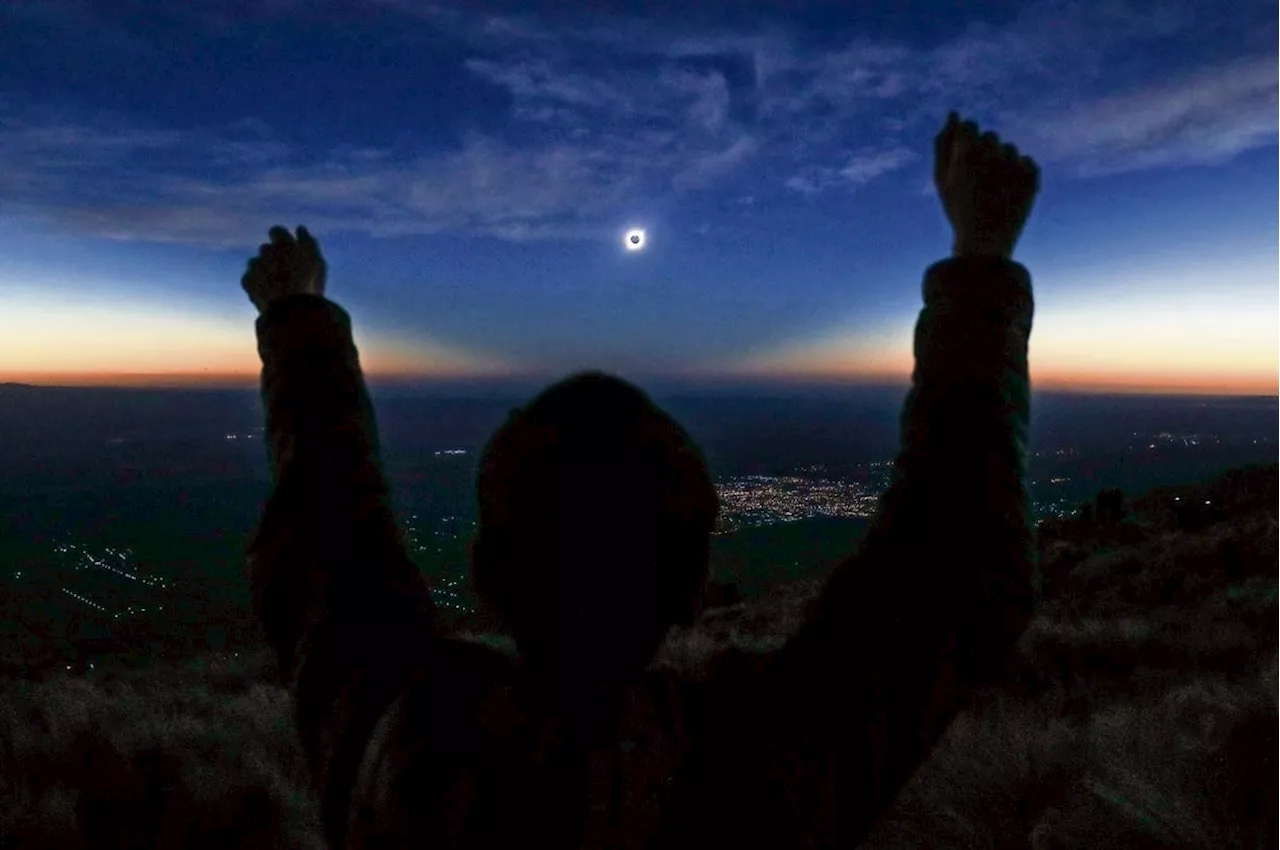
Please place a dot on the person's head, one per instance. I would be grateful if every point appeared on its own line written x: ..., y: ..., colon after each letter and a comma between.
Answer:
x: 595, y: 518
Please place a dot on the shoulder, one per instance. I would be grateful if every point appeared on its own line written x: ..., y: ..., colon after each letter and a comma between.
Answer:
x: 464, y: 679
x: 450, y: 711
x: 724, y: 694
x: 731, y: 671
x: 447, y: 703
x: 474, y: 656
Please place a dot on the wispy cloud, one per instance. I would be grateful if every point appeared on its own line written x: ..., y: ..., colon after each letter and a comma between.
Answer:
x: 858, y: 170
x: 485, y: 187
x: 538, y: 80
x: 1205, y: 118
x: 602, y: 115
x: 705, y: 168
x: 1048, y: 78
x: 863, y: 168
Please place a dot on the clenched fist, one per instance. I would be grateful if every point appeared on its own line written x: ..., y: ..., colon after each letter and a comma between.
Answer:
x: 285, y: 266
x: 986, y: 188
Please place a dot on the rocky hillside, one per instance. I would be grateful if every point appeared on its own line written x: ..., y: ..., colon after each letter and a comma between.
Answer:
x: 1141, y: 711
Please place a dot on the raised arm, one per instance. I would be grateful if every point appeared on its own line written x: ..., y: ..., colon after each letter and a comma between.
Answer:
x: 341, y: 603
x: 941, y: 586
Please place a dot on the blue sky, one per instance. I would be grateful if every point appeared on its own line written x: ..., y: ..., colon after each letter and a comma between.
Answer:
x: 470, y: 174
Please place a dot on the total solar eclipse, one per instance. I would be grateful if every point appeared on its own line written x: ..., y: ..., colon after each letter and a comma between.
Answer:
x: 634, y: 240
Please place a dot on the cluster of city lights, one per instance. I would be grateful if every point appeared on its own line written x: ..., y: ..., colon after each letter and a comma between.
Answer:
x: 84, y: 559
x: 765, y: 499
x: 86, y: 600
x: 812, y: 491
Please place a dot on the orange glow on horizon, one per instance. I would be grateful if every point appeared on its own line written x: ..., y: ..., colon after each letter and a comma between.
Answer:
x: 393, y: 369
x: 392, y: 362
x: 204, y: 380
x: 1131, y: 384
x: 1125, y: 384
x: 53, y: 344
x: 843, y: 366
x: 136, y: 380
x: 1193, y: 345
x: 1201, y: 343
x: 1159, y: 384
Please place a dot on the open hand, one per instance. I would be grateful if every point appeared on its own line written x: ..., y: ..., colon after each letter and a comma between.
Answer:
x: 986, y: 188
x: 285, y: 266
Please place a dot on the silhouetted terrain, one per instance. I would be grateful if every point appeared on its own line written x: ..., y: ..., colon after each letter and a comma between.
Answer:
x: 1141, y: 712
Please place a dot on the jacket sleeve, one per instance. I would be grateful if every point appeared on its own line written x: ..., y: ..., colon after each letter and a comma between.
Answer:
x: 342, y: 605
x: 940, y: 588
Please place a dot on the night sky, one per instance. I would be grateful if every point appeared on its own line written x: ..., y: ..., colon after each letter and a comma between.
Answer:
x: 470, y: 176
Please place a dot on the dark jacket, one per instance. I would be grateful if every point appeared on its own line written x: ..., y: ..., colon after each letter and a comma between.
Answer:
x: 418, y: 739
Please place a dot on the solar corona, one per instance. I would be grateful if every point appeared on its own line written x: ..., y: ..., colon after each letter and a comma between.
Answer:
x: 634, y: 239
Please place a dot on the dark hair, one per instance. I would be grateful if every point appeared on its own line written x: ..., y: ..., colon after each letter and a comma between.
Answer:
x: 595, y: 516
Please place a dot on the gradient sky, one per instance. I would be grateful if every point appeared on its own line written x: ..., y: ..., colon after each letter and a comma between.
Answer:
x: 470, y: 174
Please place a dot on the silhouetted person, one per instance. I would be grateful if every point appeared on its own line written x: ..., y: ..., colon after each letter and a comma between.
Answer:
x: 595, y: 517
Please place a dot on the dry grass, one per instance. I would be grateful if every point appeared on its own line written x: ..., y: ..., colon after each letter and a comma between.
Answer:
x: 1192, y: 765
x: 1141, y: 713
x: 1186, y: 765
x: 196, y: 755
x: 1142, y: 708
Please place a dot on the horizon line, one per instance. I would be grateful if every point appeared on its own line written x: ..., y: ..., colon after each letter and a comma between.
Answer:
x: 524, y: 384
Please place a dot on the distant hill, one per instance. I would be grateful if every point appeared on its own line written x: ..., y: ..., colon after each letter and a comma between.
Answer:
x: 1141, y: 711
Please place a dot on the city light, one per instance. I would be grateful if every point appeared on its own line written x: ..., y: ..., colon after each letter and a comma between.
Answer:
x: 107, y: 578
x: 764, y: 500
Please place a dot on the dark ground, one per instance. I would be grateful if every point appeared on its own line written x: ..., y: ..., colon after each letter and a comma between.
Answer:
x: 1141, y: 713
